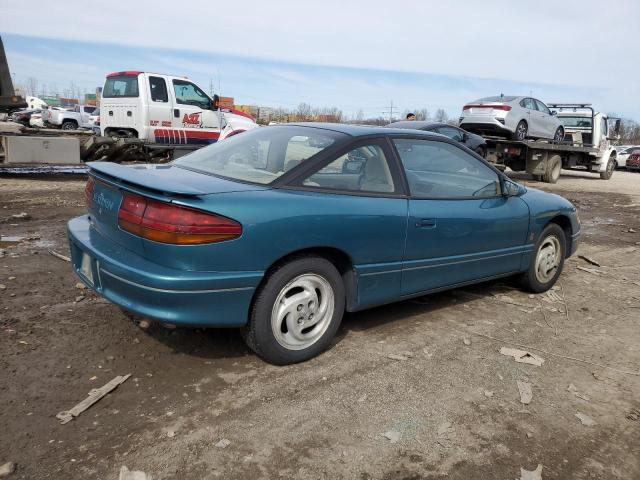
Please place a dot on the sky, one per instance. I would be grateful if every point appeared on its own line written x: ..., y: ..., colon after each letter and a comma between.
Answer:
x: 351, y: 54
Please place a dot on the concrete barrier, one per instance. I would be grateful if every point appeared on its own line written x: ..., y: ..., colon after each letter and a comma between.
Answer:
x: 41, y: 150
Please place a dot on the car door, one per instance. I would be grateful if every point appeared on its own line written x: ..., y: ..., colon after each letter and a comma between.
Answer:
x: 460, y: 228
x: 547, y: 122
x: 160, y: 112
x: 194, y: 121
x: 532, y: 120
x: 363, y: 193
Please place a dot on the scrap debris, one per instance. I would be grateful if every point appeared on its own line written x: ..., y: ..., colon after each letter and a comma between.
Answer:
x: 572, y: 388
x: 94, y: 395
x: 223, y: 443
x: 59, y: 255
x: 522, y: 356
x: 7, y: 469
x: 586, y: 420
x: 593, y: 271
x: 392, y: 436
x: 589, y: 260
x: 526, y: 393
x: 531, y: 475
x: 126, y: 474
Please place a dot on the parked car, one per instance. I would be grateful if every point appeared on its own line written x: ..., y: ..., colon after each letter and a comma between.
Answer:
x: 69, y: 119
x: 624, y: 151
x: 633, y: 161
x: 470, y: 140
x: 36, y: 119
x: 516, y: 117
x: 22, y: 116
x: 282, y: 229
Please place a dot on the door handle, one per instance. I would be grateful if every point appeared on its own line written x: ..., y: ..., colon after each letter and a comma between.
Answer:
x: 426, y: 223
x: 176, y: 112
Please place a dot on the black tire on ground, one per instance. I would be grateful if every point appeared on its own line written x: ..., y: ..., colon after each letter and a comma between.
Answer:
x: 559, y: 135
x: 69, y: 125
x: 529, y: 280
x: 611, y: 166
x: 554, y: 167
x: 537, y: 177
x: 258, y: 334
x: 521, y: 131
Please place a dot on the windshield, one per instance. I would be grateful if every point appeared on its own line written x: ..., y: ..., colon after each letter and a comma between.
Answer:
x: 497, y: 98
x: 579, y: 122
x: 261, y: 155
x: 122, y: 86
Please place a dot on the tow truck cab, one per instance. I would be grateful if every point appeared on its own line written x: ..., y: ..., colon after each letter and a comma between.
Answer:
x: 165, y: 109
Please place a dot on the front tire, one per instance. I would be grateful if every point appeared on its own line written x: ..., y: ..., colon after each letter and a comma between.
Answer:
x: 296, y: 312
x: 611, y: 166
x: 548, y: 260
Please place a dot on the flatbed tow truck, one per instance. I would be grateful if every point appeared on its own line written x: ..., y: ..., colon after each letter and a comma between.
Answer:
x: 586, y: 146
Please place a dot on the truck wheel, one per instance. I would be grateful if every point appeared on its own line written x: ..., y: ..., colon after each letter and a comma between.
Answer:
x: 554, y: 166
x: 547, y: 260
x: 521, y: 131
x: 69, y: 125
x: 296, y: 313
x: 611, y: 165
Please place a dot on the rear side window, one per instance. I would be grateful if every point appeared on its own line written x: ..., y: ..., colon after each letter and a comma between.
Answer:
x: 158, y: 89
x: 451, y: 132
x: 122, y: 86
x: 528, y: 103
x: 442, y: 170
x: 362, y: 169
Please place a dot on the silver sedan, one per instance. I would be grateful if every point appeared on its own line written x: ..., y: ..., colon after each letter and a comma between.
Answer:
x: 516, y: 117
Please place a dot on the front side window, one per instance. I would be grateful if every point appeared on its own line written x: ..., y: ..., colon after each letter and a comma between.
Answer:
x: 362, y: 169
x: 261, y: 155
x: 441, y: 170
x: 158, y: 89
x: 189, y: 94
x: 542, y: 107
x: 121, y: 86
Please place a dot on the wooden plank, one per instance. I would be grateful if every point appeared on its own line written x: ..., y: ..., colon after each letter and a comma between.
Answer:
x: 94, y: 395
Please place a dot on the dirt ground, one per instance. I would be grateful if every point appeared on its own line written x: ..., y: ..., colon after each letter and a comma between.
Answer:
x: 448, y: 399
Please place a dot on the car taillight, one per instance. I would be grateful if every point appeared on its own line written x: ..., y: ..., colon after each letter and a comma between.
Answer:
x: 506, y: 108
x: 168, y: 223
x: 88, y: 191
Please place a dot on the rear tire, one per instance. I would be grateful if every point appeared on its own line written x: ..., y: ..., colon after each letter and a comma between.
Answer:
x: 69, y: 125
x: 611, y: 166
x: 521, y: 132
x: 554, y: 167
x: 547, y: 261
x: 296, y: 312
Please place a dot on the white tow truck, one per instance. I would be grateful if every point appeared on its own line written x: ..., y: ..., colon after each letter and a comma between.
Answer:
x: 586, y: 146
x: 155, y: 114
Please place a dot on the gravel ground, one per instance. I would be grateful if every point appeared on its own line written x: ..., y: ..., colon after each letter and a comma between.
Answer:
x: 445, y: 405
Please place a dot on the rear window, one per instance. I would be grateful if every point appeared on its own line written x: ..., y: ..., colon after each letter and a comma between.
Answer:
x: 497, y: 98
x: 123, y: 86
x: 580, y: 122
x: 261, y: 155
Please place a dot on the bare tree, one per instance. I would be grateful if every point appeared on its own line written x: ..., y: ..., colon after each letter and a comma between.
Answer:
x: 422, y: 114
x: 32, y: 86
x: 304, y: 111
x: 441, y: 116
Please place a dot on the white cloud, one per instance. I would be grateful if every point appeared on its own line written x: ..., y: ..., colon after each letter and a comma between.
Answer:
x: 573, y: 42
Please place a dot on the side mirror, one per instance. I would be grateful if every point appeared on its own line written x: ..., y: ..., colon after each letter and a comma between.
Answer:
x: 554, y: 113
x: 215, y: 104
x: 465, y: 137
x: 511, y: 189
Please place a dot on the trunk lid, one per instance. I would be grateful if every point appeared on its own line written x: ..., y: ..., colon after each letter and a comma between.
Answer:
x: 165, y: 183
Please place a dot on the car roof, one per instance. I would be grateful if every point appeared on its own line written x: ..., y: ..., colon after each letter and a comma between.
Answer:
x: 358, y: 130
x: 418, y: 124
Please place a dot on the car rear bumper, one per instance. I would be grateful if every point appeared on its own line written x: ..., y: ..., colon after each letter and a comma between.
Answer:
x: 211, y: 299
x: 484, y: 124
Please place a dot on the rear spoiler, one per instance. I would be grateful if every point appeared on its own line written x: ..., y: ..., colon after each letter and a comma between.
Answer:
x: 142, y: 176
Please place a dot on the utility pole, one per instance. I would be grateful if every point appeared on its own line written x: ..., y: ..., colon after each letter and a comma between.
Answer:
x: 211, y: 87
x: 390, y: 112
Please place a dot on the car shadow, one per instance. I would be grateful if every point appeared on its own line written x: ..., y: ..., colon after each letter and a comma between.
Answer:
x: 577, y: 174
x: 220, y: 344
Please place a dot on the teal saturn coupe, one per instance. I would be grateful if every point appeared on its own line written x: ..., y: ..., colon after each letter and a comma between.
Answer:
x: 280, y: 230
